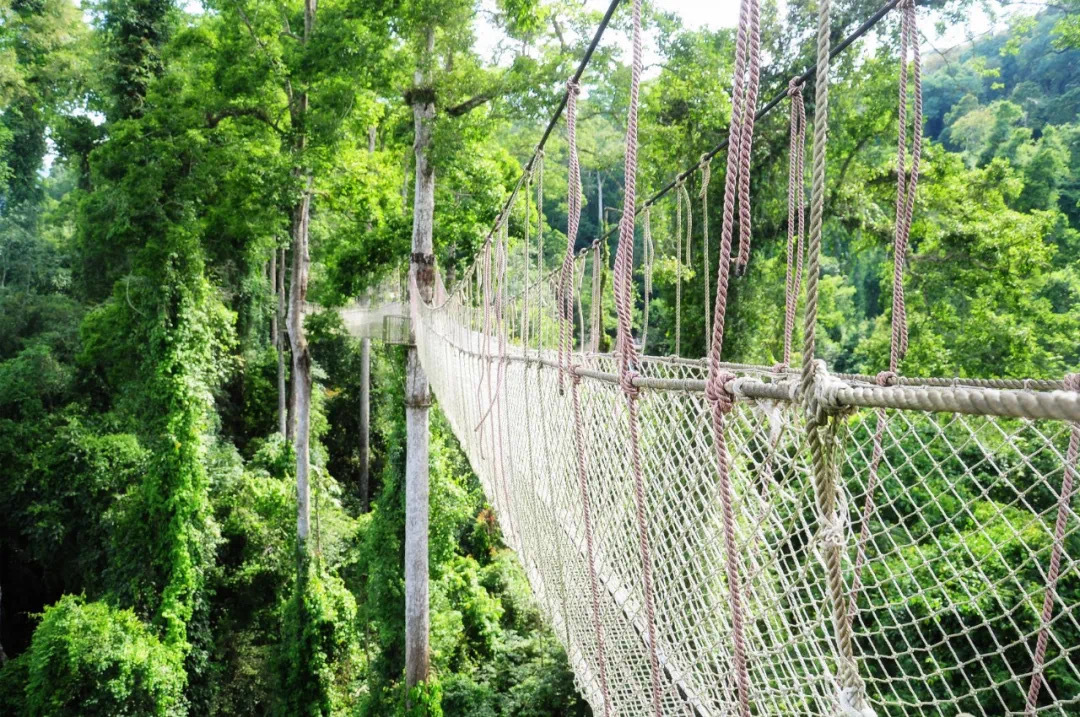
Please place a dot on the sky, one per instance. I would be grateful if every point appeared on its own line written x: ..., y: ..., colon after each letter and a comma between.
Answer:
x: 717, y: 14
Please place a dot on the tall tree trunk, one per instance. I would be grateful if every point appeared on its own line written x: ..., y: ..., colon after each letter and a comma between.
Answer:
x: 365, y: 384
x: 279, y: 340
x: 273, y: 294
x: 417, y: 395
x: 301, y: 363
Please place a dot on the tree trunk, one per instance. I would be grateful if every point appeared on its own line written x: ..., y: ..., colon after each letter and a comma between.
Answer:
x: 273, y: 295
x: 365, y: 421
x: 417, y: 397
x: 301, y: 363
x: 279, y: 340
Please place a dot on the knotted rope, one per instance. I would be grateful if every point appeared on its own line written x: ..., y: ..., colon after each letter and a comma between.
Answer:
x: 573, y: 201
x: 818, y: 391
x: 796, y: 213
x: 624, y: 267
x: 717, y: 388
x: 1072, y: 383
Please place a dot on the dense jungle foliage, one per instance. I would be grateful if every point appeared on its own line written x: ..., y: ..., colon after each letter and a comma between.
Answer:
x: 151, y: 156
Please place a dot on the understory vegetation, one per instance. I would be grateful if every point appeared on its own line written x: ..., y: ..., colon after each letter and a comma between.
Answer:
x: 158, y: 162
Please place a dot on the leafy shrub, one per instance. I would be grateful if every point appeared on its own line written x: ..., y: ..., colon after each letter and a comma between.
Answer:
x: 91, y: 659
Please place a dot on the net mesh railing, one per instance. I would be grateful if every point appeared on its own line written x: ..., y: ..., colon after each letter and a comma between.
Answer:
x: 956, y: 540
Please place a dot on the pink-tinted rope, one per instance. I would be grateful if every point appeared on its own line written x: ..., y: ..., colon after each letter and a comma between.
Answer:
x: 744, y: 96
x: 1072, y: 383
x: 796, y: 213
x: 573, y: 202
x: 624, y: 267
x: 747, y: 140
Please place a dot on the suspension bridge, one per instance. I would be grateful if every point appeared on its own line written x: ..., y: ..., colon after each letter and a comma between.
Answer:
x: 709, y: 538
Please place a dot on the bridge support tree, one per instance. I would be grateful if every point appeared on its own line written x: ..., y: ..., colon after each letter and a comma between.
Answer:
x: 417, y: 393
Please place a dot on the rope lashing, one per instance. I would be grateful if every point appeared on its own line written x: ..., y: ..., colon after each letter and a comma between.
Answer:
x: 796, y: 212
x: 573, y: 202
x: 1068, y: 482
x: 627, y: 359
x: 706, y: 175
x: 906, y: 180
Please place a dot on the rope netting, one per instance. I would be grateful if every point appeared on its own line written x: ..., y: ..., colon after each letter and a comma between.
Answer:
x: 711, y: 538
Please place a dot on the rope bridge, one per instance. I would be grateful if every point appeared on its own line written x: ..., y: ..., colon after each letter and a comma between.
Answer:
x: 710, y: 538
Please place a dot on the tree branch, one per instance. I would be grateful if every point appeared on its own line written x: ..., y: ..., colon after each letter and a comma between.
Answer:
x: 468, y: 105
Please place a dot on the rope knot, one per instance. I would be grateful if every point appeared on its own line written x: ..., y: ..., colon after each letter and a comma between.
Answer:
x: 573, y: 88
x: 780, y: 367
x: 718, y: 392
x: 626, y: 381
x: 821, y: 392
x: 794, y: 87
x: 1072, y: 382
x: 706, y: 174
x: 575, y: 377
x: 886, y: 378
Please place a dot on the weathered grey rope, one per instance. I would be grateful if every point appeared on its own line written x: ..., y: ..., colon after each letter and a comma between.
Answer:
x: 539, y: 252
x: 706, y: 175
x: 678, y: 265
x: 796, y: 213
x: 1064, y: 501
x: 573, y: 202
x: 814, y: 375
x: 647, y: 269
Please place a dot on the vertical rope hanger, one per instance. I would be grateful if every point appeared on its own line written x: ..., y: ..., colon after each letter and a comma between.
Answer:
x: 906, y: 184
x: 744, y: 96
x: 851, y: 699
x: 539, y: 252
x: 678, y: 266
x: 647, y: 269
x: 1068, y: 481
x: 627, y: 353
x: 796, y: 214
x: 573, y: 201
x: 706, y: 175
x: 566, y: 302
